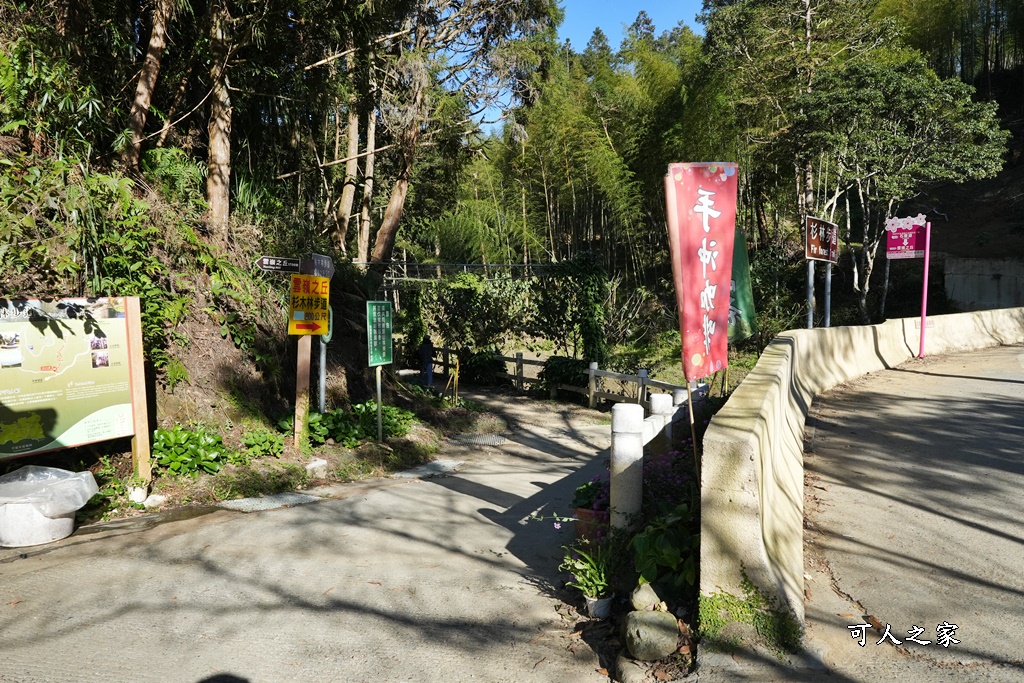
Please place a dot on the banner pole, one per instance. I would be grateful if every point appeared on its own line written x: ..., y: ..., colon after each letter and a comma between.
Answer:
x: 693, y: 430
x: 924, y: 286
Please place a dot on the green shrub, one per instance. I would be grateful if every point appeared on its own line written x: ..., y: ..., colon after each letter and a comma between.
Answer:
x: 481, y: 367
x: 561, y: 370
x: 262, y: 442
x: 349, y: 428
x: 667, y: 551
x: 189, y: 451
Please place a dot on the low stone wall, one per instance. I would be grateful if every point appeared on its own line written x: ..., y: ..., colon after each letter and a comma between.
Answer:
x: 752, y: 465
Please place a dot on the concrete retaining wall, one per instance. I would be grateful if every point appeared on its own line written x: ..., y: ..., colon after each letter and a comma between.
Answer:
x: 974, y: 284
x: 752, y: 464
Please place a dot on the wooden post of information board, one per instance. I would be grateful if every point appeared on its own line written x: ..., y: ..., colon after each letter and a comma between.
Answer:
x: 141, y: 463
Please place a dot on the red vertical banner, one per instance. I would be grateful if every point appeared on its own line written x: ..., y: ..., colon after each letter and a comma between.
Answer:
x: 700, y: 200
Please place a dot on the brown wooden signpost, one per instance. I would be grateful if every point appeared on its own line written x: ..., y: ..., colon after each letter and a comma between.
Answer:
x: 308, y: 315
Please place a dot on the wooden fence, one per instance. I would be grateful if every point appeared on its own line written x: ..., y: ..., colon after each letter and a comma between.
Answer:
x: 595, y: 389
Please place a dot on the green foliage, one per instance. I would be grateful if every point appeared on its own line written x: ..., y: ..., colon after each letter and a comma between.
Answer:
x: 593, y: 495
x: 188, y: 452
x: 776, y: 627
x: 112, y: 493
x: 589, y: 565
x: 776, y: 273
x: 666, y: 553
x: 44, y: 92
x: 560, y: 370
x: 349, y: 428
x: 570, y: 307
x: 262, y: 442
x: 481, y: 367
x: 179, y: 177
x: 471, y: 312
x: 175, y: 374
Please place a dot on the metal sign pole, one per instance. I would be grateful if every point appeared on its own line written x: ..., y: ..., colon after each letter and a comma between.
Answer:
x: 380, y: 419
x: 324, y: 340
x: 828, y: 294
x: 810, y: 294
x: 924, y: 287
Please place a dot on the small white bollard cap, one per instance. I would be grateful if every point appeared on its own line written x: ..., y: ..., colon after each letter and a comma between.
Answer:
x: 627, y: 418
x: 661, y: 404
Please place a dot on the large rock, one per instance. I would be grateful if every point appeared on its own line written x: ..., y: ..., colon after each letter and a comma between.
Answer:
x: 651, y: 635
x: 629, y: 671
x: 644, y: 597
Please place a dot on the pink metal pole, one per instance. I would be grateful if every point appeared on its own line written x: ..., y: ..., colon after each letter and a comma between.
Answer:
x: 924, y: 288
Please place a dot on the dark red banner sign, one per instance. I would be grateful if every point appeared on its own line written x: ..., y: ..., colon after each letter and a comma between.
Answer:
x: 700, y: 199
x: 821, y: 240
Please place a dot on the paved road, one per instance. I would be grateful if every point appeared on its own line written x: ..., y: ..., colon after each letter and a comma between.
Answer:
x: 915, y: 518
x: 438, y: 579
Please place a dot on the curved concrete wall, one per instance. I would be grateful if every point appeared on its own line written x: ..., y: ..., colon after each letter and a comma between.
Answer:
x: 752, y: 464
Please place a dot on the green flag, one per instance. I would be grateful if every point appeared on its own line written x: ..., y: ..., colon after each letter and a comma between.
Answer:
x: 742, y: 319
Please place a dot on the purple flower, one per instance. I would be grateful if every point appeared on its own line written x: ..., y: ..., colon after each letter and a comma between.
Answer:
x: 558, y: 525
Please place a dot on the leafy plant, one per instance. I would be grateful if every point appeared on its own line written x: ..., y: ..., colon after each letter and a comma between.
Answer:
x: 666, y: 552
x: 593, y: 495
x: 348, y: 429
x: 262, y: 442
x: 188, y: 452
x: 589, y: 569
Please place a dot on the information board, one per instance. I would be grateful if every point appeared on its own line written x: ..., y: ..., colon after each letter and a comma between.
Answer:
x: 65, y: 377
x: 308, y: 305
x: 378, y: 332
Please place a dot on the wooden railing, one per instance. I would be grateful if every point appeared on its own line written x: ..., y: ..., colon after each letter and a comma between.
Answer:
x: 594, y: 391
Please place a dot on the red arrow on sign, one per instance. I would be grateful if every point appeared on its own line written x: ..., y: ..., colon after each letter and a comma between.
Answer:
x: 307, y: 326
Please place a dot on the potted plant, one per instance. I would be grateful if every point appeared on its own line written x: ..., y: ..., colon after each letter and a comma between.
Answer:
x: 589, y: 569
x: 590, y: 509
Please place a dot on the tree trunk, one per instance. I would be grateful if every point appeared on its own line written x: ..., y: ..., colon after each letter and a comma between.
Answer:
x: 364, y: 218
x: 218, y: 179
x: 388, y: 232
x: 147, y: 81
x: 343, y: 213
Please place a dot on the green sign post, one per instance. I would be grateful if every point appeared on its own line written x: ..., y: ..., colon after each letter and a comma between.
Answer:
x: 378, y: 345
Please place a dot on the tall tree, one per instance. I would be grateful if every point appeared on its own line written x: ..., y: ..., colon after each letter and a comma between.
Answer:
x: 218, y: 173
x: 470, y: 48
x: 885, y: 129
x: 150, y: 71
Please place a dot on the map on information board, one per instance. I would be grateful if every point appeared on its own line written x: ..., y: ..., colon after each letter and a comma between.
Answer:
x: 64, y: 374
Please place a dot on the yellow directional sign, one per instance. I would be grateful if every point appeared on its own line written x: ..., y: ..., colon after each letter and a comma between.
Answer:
x: 308, y: 308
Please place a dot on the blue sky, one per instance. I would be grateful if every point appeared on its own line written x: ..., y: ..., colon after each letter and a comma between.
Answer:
x: 614, y: 16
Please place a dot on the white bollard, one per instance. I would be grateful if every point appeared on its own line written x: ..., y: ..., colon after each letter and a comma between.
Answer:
x: 627, y: 466
x: 661, y: 405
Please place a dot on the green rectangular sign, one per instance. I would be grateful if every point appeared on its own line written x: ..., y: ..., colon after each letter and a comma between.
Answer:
x: 378, y: 332
x: 64, y: 374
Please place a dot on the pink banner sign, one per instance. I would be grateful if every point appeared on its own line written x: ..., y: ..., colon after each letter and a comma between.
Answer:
x: 700, y: 200
x: 905, y: 237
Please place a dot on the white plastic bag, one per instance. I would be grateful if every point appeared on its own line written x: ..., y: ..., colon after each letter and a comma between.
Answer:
x: 53, y: 492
